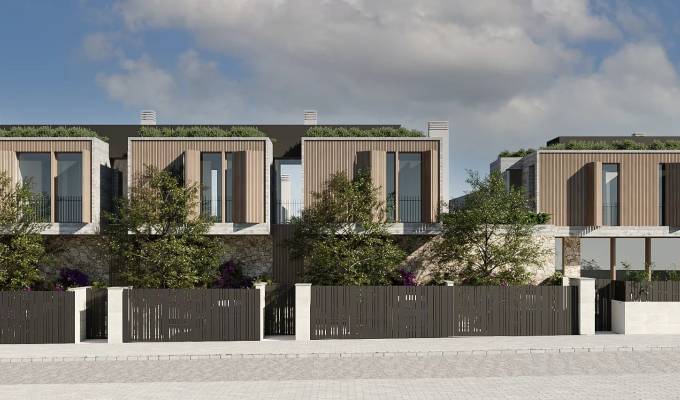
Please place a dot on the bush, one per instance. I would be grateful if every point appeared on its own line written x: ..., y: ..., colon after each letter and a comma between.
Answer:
x: 200, y: 131
x: 69, y: 277
x: 616, y: 145
x: 48, y: 131
x: 554, y: 279
x: 231, y: 276
x: 516, y: 153
x: 330, y: 131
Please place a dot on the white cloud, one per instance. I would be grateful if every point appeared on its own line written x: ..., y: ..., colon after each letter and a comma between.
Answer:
x: 506, y: 74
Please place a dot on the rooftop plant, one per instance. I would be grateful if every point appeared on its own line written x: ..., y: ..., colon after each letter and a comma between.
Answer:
x: 516, y: 153
x: 49, y: 131
x: 616, y: 145
x: 385, y: 131
x: 200, y: 131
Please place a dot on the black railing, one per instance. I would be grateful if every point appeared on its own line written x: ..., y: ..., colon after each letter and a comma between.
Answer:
x: 207, y: 209
x: 69, y: 209
x: 286, y: 210
x: 391, y: 208
x: 410, y: 209
x: 610, y: 214
x: 41, y: 206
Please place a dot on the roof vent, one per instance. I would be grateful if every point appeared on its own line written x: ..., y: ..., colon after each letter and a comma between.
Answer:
x: 637, y: 134
x: 147, y: 117
x: 434, y: 126
x: 310, y: 117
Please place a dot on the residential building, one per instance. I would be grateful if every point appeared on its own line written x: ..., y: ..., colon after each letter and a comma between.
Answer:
x: 610, y: 209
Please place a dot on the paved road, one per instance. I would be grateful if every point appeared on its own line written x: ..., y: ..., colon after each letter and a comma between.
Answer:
x: 614, y: 375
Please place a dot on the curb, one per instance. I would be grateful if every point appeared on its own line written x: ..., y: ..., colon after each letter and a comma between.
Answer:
x: 228, y: 356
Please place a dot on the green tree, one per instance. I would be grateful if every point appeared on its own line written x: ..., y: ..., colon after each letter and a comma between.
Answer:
x: 340, y: 237
x: 156, y: 239
x: 490, y: 239
x: 22, y: 248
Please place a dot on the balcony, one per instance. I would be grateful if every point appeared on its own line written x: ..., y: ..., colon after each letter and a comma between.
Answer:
x: 41, y: 204
x: 69, y: 209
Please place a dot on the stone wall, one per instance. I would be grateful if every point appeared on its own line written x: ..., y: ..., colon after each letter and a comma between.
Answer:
x: 571, y: 252
x: 254, y: 252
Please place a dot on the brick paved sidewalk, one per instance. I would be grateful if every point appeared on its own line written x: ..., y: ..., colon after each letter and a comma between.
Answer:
x: 273, y: 348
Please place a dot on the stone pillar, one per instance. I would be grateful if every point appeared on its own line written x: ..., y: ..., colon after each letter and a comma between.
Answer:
x: 261, y: 286
x: 586, y: 304
x: 571, y: 256
x: 303, y: 303
x: 80, y: 297
x: 115, y: 314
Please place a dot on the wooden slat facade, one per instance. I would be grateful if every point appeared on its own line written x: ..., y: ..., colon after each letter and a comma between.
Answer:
x: 566, y: 186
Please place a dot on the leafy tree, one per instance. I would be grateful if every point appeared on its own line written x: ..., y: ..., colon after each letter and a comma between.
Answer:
x: 489, y: 240
x: 155, y: 238
x: 21, y: 247
x: 340, y: 239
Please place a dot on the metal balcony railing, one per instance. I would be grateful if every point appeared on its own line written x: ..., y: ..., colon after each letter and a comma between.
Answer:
x: 41, y: 205
x: 610, y: 214
x: 216, y: 212
x: 410, y: 209
x: 285, y: 211
x: 69, y: 209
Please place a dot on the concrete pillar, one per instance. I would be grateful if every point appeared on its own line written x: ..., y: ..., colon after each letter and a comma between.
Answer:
x: 115, y: 314
x: 571, y: 256
x: 440, y: 129
x: 80, y: 297
x: 261, y: 286
x: 612, y: 258
x: 586, y: 304
x: 303, y: 305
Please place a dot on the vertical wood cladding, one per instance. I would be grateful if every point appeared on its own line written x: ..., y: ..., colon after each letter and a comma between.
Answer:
x: 249, y: 168
x: 566, y: 186
x: 322, y: 158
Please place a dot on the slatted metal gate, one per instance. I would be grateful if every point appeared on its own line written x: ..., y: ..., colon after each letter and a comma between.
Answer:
x: 190, y: 315
x: 279, y: 310
x: 604, y: 293
x: 96, y: 313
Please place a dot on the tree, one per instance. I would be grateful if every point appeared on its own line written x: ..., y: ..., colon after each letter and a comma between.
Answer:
x: 155, y: 238
x: 21, y: 247
x: 490, y: 239
x: 340, y: 238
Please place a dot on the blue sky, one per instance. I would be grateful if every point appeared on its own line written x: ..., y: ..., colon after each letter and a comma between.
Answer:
x: 505, y: 74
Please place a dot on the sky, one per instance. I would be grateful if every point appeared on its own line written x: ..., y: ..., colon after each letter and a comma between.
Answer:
x: 506, y: 74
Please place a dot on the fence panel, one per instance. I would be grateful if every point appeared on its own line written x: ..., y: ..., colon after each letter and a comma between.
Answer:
x: 373, y: 312
x: 37, y: 317
x: 279, y: 310
x: 604, y: 293
x: 96, y: 313
x: 181, y: 315
x: 647, y: 291
x: 515, y: 311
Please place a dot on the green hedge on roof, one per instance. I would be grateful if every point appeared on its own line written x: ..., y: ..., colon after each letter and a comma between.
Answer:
x: 516, y: 153
x: 329, y: 131
x: 49, y: 131
x: 200, y: 131
x: 616, y: 145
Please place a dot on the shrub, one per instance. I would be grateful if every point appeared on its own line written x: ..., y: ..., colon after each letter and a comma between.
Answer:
x: 516, y: 153
x: 231, y: 276
x: 48, y: 131
x: 69, y: 277
x: 555, y: 279
x: 616, y: 145
x: 330, y: 131
x: 200, y: 131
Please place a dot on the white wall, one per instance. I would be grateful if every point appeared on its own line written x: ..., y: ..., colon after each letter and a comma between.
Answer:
x: 645, y: 317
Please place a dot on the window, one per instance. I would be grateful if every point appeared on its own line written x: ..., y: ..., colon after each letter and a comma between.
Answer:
x: 391, y: 189
x: 34, y: 169
x: 289, y: 196
x: 662, y: 194
x: 69, y: 187
x: 211, y: 185
x: 610, y: 194
x: 410, y: 176
x: 229, y: 188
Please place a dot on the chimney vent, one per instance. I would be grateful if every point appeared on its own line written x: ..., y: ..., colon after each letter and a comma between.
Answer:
x: 147, y: 117
x: 637, y: 134
x: 310, y: 117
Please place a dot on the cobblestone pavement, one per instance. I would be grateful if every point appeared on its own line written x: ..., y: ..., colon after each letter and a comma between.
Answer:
x: 615, y: 375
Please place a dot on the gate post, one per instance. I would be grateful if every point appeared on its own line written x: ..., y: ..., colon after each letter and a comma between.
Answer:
x: 80, y: 318
x: 115, y: 314
x: 261, y: 286
x: 303, y: 305
x: 586, y: 304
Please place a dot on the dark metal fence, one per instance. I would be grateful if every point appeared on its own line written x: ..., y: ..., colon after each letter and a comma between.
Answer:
x: 647, y: 291
x: 41, y: 205
x: 207, y: 209
x: 410, y: 209
x: 516, y: 310
x: 190, y: 315
x: 96, y: 313
x: 69, y: 209
x: 279, y: 310
x: 372, y: 312
x: 37, y: 317
x: 604, y: 293
x: 286, y: 210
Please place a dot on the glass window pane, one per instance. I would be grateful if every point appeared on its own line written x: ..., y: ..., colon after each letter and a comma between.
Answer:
x: 610, y: 194
x: 69, y: 187
x: 409, y: 187
x: 229, y: 189
x: 390, y: 187
x: 34, y: 169
x: 211, y: 184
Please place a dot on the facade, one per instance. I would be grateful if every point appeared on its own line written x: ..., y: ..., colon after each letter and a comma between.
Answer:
x: 624, y: 197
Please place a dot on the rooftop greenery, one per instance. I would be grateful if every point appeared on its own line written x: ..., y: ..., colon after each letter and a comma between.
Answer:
x: 616, y: 145
x: 49, y: 131
x: 200, y: 131
x: 516, y: 153
x: 329, y: 131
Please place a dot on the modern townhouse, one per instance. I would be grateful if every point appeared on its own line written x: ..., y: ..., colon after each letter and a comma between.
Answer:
x: 251, y: 186
x: 610, y: 210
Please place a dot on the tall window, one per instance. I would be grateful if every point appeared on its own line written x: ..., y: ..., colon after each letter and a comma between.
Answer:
x: 69, y: 187
x: 662, y: 194
x: 610, y: 194
x: 410, y: 176
x: 229, y: 188
x: 211, y: 185
x: 391, y: 188
x: 35, y: 172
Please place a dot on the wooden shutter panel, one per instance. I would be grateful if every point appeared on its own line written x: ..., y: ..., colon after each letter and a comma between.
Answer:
x: 249, y: 182
x: 672, y: 206
x: 192, y: 175
x: 375, y: 161
x: 9, y: 165
x: 430, y: 186
x: 86, y: 162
